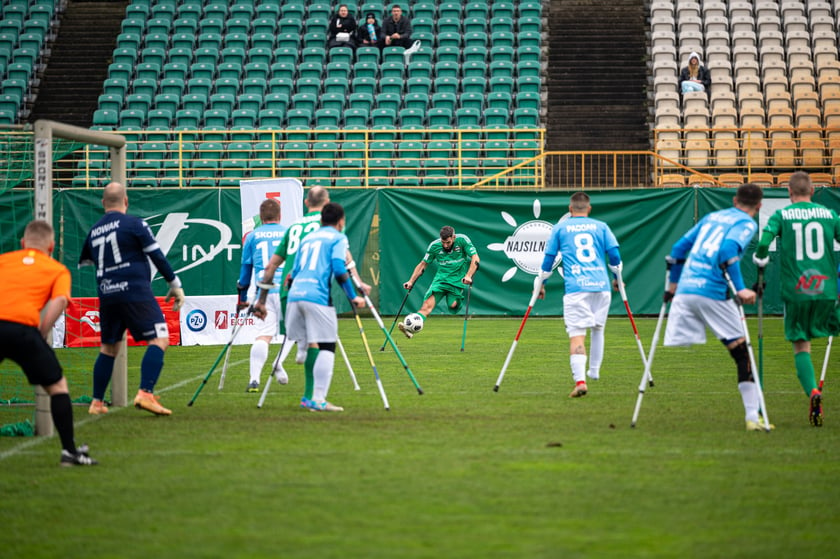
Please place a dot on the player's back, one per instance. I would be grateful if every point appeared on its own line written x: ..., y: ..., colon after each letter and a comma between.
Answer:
x: 260, y: 244
x: 28, y: 280
x: 702, y: 273
x: 807, y: 232
x: 117, y: 245
x: 292, y: 238
x: 583, y: 242
x: 313, y: 269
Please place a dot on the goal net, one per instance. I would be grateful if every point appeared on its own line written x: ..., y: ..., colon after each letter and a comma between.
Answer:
x: 26, y: 193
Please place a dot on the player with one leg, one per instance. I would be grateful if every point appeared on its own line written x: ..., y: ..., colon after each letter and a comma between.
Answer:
x: 586, y: 246
x: 699, y: 289
x: 259, y: 244
x: 310, y: 319
x: 457, y: 262
x: 120, y: 246
x: 807, y: 232
x: 286, y: 254
x: 30, y: 280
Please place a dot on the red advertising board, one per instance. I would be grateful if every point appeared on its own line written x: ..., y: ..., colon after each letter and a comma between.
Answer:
x: 82, y: 323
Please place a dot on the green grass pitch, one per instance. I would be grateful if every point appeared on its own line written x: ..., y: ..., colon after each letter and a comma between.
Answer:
x: 460, y: 471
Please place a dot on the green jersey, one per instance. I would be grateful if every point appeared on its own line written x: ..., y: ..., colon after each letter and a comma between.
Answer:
x: 452, y: 265
x: 807, y: 232
x: 288, y: 247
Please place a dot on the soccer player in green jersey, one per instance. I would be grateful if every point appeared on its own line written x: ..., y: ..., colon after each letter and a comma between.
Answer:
x: 457, y: 262
x: 284, y: 255
x: 807, y: 232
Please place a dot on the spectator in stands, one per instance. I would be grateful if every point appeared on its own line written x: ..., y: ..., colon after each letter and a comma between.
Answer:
x: 695, y: 76
x: 368, y: 34
x: 396, y: 30
x: 342, y: 29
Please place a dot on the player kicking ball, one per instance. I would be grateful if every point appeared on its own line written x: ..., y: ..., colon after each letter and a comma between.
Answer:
x: 457, y: 261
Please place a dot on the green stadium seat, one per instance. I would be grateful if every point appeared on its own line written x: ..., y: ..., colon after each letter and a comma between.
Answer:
x: 368, y: 54
x: 315, y: 26
x: 448, y: 54
x: 474, y: 69
x: 356, y: 118
x: 187, y: 119
x: 261, y: 168
x: 333, y: 101
x: 528, y: 84
x: 411, y: 117
x: 379, y: 171
x: 418, y: 85
x: 264, y: 25
x: 309, y: 85
x: 450, y: 10
x: 201, y: 86
x: 159, y: 119
x: 526, y: 117
x: 264, y: 150
x: 419, y: 69
x: 337, y: 86
x: 527, y: 100
x: 242, y: 124
x: 530, y: 9
x: 257, y: 70
x: 101, y: 117
x: 528, y: 68
x: 313, y: 39
x: 391, y: 85
x: 446, y: 69
x: 449, y: 40
x: 446, y: 85
x: 417, y: 101
x: 501, y: 68
x: 388, y: 101
x: 310, y: 70
x: 421, y: 10
x: 286, y: 47
x: 424, y: 54
x: 249, y: 102
x: 208, y: 40
x: 383, y: 118
x: 502, y: 52
x: 126, y: 55
x: 254, y: 86
x: 132, y: 119
x: 177, y: 70
x: 237, y: 25
x: 475, y: 39
x: 223, y: 102
x: 439, y: 117
x: 144, y: 87
x: 110, y: 102
x: 501, y: 24
x: 421, y: 24
x: 203, y: 70
x: 502, y: 39
x: 156, y: 40
x: 467, y: 117
x: 328, y: 118
x: 392, y: 70
x: 204, y: 173
x: 444, y: 100
x: 501, y: 84
x: 280, y: 86
x: 366, y: 70
x: 305, y: 101
x: 262, y: 55
x: 476, y: 54
x: 115, y: 86
x: 343, y: 55
x: 471, y: 100
x: 448, y: 25
x: 283, y: 70
x: 120, y: 71
x: 153, y: 55
x: 530, y: 40
x: 194, y: 102
x: 381, y: 149
x: 338, y: 69
x: 314, y: 54
x: 298, y: 117
x: 264, y: 41
x: 230, y: 70
x: 393, y: 54
x: 499, y: 100
x: 528, y: 25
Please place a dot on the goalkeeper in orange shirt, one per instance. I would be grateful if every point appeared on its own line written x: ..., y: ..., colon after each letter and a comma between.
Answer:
x: 31, y: 281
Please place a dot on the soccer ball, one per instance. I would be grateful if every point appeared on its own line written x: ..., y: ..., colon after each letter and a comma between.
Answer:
x: 414, y: 322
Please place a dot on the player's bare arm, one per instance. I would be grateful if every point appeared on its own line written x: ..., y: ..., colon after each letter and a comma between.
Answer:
x: 468, y: 279
x: 418, y: 271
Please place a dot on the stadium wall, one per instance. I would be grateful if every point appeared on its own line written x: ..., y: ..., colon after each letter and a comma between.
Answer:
x: 389, y: 230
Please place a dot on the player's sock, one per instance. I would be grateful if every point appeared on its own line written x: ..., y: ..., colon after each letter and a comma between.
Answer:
x: 62, y: 415
x: 596, y: 352
x: 103, y: 368
x: 308, y: 369
x: 150, y: 368
x: 259, y: 354
x: 749, y: 395
x: 805, y: 371
x: 323, y: 373
x: 287, y: 349
x: 578, y: 363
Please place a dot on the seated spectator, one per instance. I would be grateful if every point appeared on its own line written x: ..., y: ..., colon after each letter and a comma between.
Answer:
x: 342, y: 29
x: 368, y: 34
x: 396, y: 30
x: 695, y: 76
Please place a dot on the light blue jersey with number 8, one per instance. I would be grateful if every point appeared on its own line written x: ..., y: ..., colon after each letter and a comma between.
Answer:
x: 584, y: 244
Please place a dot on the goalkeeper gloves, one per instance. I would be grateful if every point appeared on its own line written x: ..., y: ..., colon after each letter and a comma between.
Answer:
x: 761, y: 262
x: 176, y: 292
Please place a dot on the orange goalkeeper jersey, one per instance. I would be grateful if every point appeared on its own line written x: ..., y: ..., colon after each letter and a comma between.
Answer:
x: 28, y: 280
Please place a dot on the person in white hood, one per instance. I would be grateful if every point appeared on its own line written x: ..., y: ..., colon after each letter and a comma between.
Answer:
x: 695, y: 76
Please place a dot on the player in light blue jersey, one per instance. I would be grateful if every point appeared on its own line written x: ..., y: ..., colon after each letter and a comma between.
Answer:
x: 699, y: 289
x: 585, y: 246
x: 310, y: 316
x: 260, y: 244
x: 121, y: 246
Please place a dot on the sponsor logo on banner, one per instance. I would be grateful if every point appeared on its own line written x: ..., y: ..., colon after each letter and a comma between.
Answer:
x: 526, y: 245
x: 221, y: 320
x: 91, y: 318
x: 196, y: 320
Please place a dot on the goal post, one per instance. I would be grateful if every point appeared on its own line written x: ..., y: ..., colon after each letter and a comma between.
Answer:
x: 45, y: 131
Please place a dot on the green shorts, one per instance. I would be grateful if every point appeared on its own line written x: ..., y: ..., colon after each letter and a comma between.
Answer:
x: 453, y: 294
x: 807, y: 320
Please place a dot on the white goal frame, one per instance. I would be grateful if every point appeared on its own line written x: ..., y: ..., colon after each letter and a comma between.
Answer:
x: 45, y: 131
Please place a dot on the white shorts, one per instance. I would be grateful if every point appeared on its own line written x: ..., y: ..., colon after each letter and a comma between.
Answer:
x: 270, y: 325
x: 691, y: 314
x: 311, y: 323
x: 585, y: 310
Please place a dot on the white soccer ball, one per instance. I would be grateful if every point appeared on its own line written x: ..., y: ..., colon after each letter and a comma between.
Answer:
x: 414, y: 322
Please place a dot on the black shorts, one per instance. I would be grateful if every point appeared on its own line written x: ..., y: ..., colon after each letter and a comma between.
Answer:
x: 25, y: 346
x: 144, y: 320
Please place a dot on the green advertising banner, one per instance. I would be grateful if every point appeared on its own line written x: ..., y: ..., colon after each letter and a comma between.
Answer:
x: 390, y: 229
x: 509, y: 229
x: 198, y: 230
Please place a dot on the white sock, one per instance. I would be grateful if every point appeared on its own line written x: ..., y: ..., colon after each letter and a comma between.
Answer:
x: 578, y: 363
x: 596, y: 352
x: 749, y: 395
x: 259, y: 353
x: 323, y: 373
x: 287, y: 349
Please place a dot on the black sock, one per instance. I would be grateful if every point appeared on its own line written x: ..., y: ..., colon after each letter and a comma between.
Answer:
x: 62, y: 414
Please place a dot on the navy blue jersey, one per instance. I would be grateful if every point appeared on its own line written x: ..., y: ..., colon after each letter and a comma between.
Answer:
x: 120, y: 246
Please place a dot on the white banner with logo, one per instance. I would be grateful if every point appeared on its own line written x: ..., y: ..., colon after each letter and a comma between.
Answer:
x: 210, y: 320
x: 252, y: 193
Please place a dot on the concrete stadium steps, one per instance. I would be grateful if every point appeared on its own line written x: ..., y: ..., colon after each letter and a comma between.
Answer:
x: 597, y: 76
x: 78, y: 65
